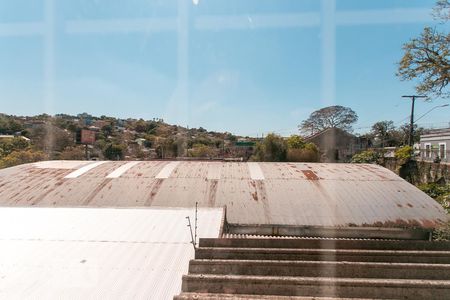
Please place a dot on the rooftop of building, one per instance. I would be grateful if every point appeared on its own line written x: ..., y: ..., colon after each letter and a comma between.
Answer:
x: 294, y: 194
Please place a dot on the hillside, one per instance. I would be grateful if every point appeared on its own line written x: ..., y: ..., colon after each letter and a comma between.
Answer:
x: 58, y: 137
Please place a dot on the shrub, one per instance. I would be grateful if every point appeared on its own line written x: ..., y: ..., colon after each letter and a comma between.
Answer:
x: 442, y: 233
x: 200, y: 150
x: 366, y: 157
x: 21, y: 157
x: 272, y: 148
x: 404, y: 154
x: 441, y: 193
x: 295, y: 142
x: 309, y: 153
x: 73, y: 153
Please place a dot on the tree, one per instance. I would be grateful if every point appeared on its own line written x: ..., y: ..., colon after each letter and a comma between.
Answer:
x: 114, y: 151
x: 141, y: 126
x: 442, y: 10
x: 107, y: 130
x: 382, y: 131
x: 404, y: 131
x: 50, y: 138
x: 366, y: 157
x: 427, y: 57
x: 298, y: 150
x: 201, y: 151
x: 73, y: 153
x: 22, y: 157
x: 10, y: 145
x: 272, y: 148
x: 307, y: 153
x: 8, y: 125
x: 329, y: 117
x: 295, y: 142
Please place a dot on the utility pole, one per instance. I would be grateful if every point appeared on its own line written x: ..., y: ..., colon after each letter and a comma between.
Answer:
x: 411, y: 123
x: 86, y: 151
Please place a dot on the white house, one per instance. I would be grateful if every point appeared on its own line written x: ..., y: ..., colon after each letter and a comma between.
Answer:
x: 435, y: 144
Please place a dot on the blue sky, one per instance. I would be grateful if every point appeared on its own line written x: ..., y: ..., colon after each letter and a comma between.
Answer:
x: 248, y: 67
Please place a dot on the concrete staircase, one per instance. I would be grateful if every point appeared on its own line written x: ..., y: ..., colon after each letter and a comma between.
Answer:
x: 300, y: 269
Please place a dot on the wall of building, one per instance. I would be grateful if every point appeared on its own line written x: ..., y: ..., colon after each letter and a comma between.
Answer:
x: 424, y: 171
x: 434, y: 151
x: 336, y: 145
x: 435, y: 144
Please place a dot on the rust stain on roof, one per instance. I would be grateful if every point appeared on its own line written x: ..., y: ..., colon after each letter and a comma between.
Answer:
x: 310, y: 175
x: 212, y: 191
x: 154, y: 191
x: 372, y: 169
x: 254, y: 191
x: 96, y: 191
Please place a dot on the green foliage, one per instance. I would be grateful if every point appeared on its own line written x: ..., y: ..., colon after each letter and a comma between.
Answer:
x: 426, y: 58
x: 107, y: 130
x: 201, y: 151
x: 73, y: 153
x: 231, y: 137
x: 272, y: 148
x: 309, y: 153
x: 114, y: 151
x: 404, y: 154
x: 441, y: 193
x: 142, y: 126
x: 366, y: 157
x: 276, y: 148
x: 442, y: 233
x: 8, y: 125
x: 295, y: 142
x: 49, y: 138
x: 299, y: 151
x: 21, y: 157
x: 15, y: 144
x: 329, y: 117
x: 383, y: 132
x: 55, y: 135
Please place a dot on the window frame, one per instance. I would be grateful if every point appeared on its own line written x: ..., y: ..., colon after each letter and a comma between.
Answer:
x: 445, y: 150
x: 427, y: 150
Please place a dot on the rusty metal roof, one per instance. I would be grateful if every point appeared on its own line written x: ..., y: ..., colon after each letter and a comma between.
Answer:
x: 312, y: 194
x: 89, y: 253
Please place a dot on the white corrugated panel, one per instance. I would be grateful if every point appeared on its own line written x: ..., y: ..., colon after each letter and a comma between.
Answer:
x: 97, y: 253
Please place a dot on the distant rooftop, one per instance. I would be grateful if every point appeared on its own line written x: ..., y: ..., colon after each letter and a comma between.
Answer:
x: 436, y: 132
x: 10, y: 136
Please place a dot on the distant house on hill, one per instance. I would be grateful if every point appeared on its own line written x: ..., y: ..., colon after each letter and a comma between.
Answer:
x: 435, y: 144
x: 10, y: 136
x: 337, y: 145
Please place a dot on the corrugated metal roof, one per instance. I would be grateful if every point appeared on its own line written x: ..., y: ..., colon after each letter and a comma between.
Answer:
x: 312, y: 194
x: 91, y: 253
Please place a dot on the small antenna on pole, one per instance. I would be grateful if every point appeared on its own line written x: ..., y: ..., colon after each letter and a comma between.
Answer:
x: 195, y: 229
x: 190, y: 229
x: 193, y: 235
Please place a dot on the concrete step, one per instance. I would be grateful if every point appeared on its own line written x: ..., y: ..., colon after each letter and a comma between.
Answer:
x: 320, y: 269
x: 401, y: 256
x: 209, y: 296
x: 317, y: 286
x: 313, y: 243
